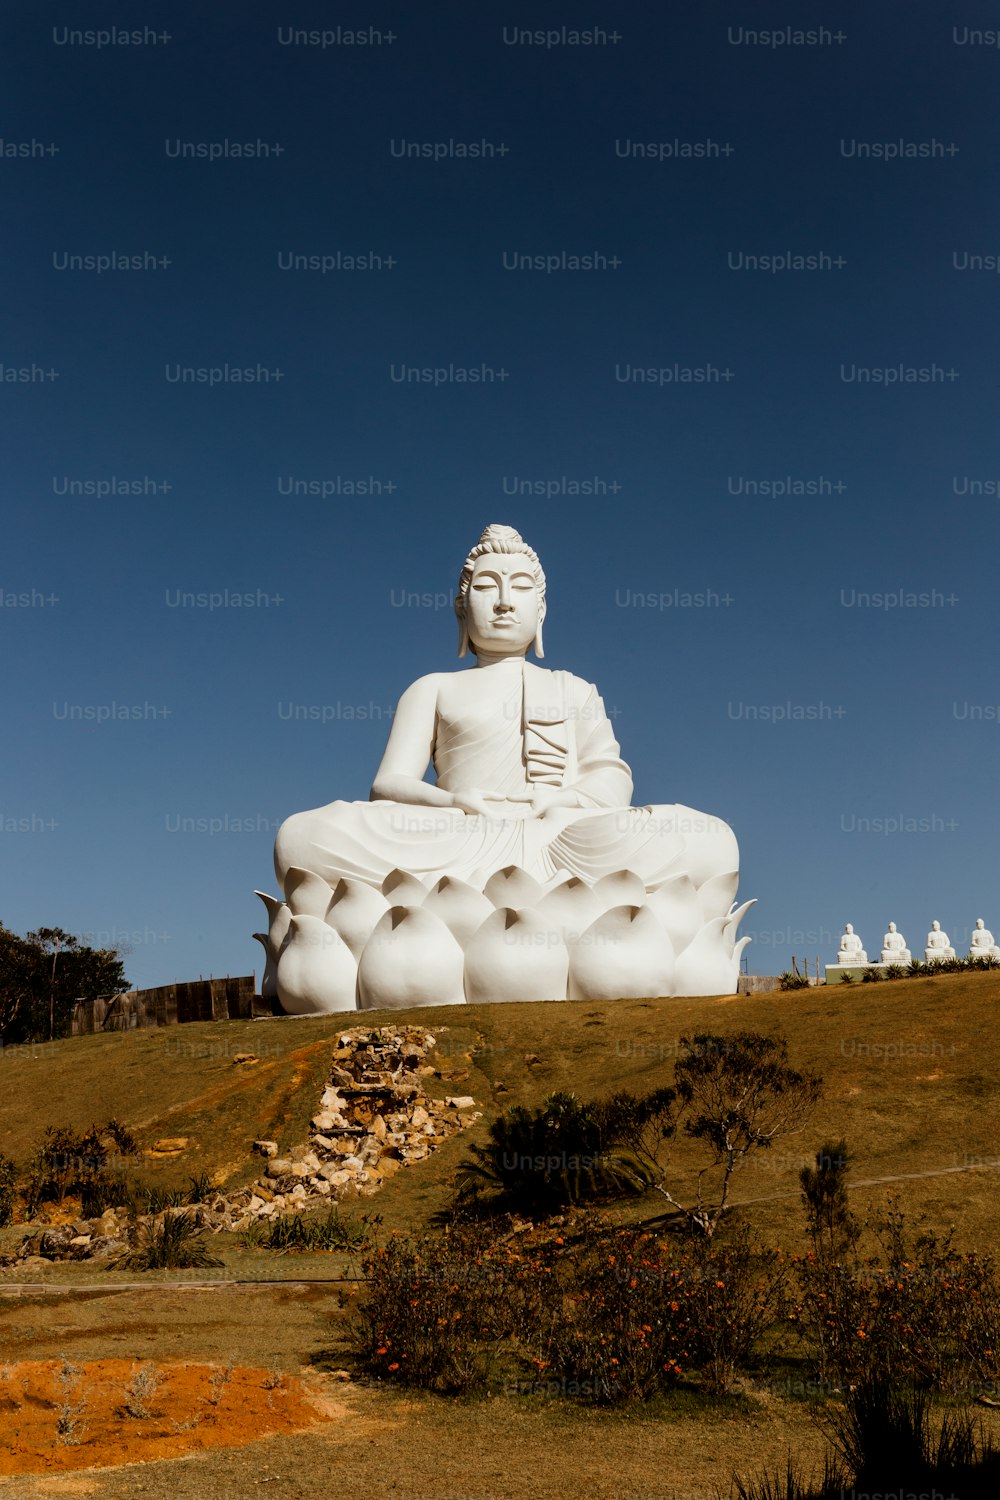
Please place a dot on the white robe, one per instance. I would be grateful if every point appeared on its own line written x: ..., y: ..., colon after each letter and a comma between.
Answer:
x: 551, y: 730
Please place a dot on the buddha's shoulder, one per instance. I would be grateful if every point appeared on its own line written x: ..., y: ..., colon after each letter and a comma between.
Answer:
x: 578, y: 688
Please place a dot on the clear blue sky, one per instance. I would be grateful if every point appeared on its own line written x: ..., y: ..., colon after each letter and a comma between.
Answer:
x: 852, y: 747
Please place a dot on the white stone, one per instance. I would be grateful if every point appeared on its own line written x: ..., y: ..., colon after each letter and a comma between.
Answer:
x: 461, y: 908
x: 317, y: 972
x: 894, y: 949
x: 938, y: 945
x: 400, y: 888
x: 982, y: 944
x: 278, y: 917
x: 676, y: 905
x: 307, y: 894
x: 625, y: 955
x: 530, y: 787
x: 620, y: 888
x: 516, y: 955
x: 410, y: 959
x: 850, y: 950
x: 710, y: 964
x: 354, y: 913
x: 513, y: 887
x: 570, y: 907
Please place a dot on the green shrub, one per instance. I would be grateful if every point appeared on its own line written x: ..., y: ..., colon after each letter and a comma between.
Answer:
x: 923, y: 1314
x: 202, y: 1187
x: 540, y: 1161
x: 90, y: 1165
x: 172, y: 1242
x: 8, y: 1181
x: 886, y: 1444
x: 442, y: 1311
x: 104, y: 1192
x: 291, y: 1232
x: 612, y: 1317
x: 790, y: 981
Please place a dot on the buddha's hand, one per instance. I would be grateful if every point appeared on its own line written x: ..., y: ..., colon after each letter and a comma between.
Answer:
x: 545, y: 799
x: 473, y: 802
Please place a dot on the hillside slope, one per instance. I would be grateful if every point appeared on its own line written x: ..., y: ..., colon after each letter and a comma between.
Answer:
x: 911, y: 1075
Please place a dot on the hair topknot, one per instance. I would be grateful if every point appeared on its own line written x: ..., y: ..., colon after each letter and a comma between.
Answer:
x: 497, y: 538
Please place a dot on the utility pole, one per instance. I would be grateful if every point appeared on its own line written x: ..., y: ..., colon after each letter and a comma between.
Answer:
x: 52, y: 993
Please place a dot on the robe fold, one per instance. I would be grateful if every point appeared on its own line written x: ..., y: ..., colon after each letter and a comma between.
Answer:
x: 550, y: 729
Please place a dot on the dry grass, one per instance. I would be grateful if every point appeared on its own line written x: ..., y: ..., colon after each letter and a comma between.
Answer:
x: 911, y: 1069
x: 923, y: 1108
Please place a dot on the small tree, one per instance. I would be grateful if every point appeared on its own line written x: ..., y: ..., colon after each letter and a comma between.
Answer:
x: 43, y: 975
x: 741, y: 1095
x: 737, y: 1094
x: 832, y: 1227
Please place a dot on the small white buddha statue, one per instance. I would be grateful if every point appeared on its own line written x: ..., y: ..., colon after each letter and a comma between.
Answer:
x: 851, y: 951
x: 981, y: 944
x: 894, y: 949
x: 938, y: 945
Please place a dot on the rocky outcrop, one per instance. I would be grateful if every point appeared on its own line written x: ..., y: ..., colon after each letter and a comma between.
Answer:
x: 374, y: 1119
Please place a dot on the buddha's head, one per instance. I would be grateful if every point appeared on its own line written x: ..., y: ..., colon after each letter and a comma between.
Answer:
x: 500, y: 602
x: 892, y: 927
x: 935, y: 926
x: 848, y: 929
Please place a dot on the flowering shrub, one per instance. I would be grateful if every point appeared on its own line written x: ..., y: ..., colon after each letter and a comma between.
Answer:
x: 613, y: 1317
x: 927, y: 1315
x: 442, y: 1310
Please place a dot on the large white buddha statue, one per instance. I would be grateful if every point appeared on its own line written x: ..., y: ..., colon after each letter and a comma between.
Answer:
x: 894, y: 949
x: 850, y: 950
x: 981, y: 943
x: 938, y: 945
x: 530, y: 794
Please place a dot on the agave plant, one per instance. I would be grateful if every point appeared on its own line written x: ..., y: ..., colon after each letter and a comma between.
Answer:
x: 542, y: 1160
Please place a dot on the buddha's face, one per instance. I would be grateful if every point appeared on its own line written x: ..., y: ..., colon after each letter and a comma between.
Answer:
x: 501, y: 607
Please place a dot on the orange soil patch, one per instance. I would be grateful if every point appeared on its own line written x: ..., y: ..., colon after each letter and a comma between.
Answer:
x: 58, y: 1417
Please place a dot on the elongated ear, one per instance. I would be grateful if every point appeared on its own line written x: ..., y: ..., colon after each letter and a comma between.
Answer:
x: 538, y: 638
x: 463, y: 637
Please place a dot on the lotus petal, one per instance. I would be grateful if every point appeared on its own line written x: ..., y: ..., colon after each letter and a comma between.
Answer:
x: 410, y: 959
x: 317, y: 973
x: 515, y: 955
x: 625, y: 955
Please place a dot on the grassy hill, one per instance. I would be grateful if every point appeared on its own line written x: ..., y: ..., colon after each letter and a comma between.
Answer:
x: 911, y: 1075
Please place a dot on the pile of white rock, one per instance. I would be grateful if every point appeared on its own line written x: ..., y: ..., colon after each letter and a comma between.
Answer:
x: 374, y: 1119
